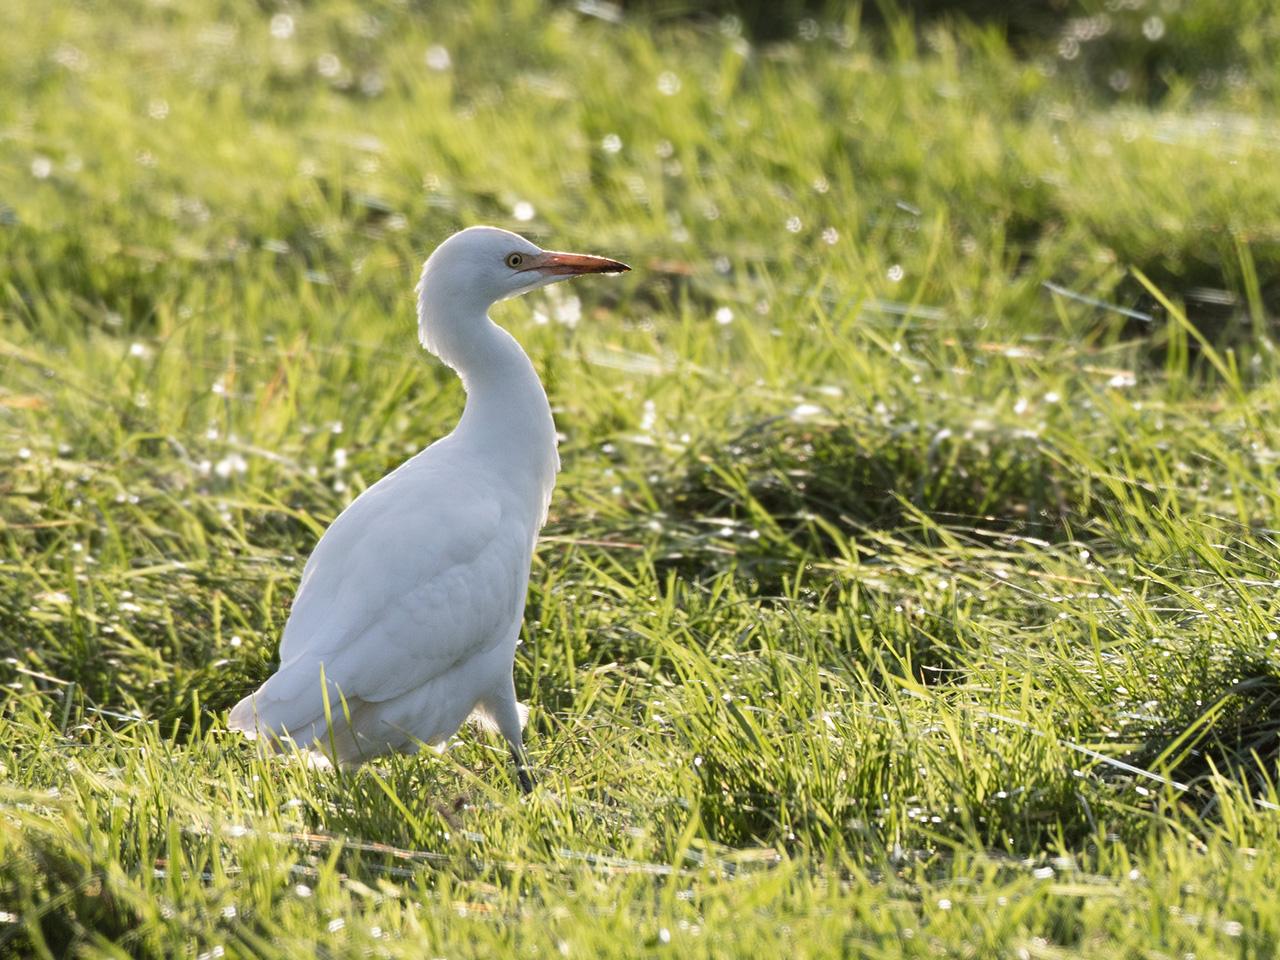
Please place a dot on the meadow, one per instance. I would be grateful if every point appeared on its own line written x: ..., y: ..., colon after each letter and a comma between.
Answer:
x: 910, y: 589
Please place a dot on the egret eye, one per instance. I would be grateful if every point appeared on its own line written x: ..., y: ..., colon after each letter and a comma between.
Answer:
x: 514, y: 260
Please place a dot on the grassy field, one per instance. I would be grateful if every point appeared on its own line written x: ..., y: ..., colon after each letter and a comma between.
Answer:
x: 911, y: 585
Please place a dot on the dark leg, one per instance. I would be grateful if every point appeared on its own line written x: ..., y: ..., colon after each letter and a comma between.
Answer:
x: 523, y: 774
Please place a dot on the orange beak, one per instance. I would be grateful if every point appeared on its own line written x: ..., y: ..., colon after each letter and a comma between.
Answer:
x: 572, y: 264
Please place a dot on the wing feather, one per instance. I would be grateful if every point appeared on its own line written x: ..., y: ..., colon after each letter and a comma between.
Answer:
x: 424, y: 570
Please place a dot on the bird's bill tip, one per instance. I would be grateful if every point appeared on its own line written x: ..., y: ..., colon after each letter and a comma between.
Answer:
x: 573, y: 264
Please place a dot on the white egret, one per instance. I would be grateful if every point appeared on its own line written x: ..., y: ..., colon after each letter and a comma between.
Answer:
x: 410, y: 606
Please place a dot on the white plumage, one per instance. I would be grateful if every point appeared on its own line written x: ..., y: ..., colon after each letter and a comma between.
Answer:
x: 410, y: 605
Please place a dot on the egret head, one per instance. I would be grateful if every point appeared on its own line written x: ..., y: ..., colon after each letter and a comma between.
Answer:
x: 479, y: 266
x: 486, y: 264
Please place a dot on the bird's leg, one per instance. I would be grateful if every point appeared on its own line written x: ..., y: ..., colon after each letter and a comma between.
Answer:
x: 523, y: 774
x: 509, y: 717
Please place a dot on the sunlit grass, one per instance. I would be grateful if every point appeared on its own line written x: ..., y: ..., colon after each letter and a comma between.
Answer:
x: 910, y: 588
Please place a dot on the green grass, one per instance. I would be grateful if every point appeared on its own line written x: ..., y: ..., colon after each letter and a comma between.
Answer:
x: 893, y: 603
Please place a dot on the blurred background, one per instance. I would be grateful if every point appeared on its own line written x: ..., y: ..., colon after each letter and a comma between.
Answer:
x: 345, y: 139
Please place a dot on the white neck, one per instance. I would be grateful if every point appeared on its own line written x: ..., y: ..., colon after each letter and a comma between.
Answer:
x: 507, y: 417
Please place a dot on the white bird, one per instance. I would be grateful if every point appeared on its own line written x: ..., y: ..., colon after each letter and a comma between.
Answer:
x: 410, y: 606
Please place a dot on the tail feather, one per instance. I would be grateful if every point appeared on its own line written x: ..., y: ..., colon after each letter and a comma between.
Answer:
x: 290, y: 703
x: 244, y: 717
x: 300, y: 720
